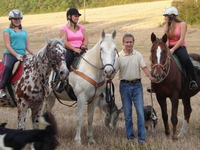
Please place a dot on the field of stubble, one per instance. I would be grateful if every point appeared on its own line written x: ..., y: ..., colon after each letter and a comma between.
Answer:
x: 139, y: 19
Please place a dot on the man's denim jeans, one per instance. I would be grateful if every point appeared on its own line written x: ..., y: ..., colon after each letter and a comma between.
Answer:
x: 132, y: 93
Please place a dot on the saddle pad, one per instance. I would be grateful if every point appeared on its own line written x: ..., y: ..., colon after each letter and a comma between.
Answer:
x: 195, y: 63
x: 180, y: 67
x: 1, y: 65
x: 76, y: 62
x: 18, y: 72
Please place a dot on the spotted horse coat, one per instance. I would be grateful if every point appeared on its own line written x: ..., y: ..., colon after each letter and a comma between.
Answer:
x: 31, y: 89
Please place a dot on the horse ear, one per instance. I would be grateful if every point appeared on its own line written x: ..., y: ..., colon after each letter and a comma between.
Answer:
x: 114, y: 34
x: 153, y: 37
x: 47, y: 39
x: 164, y: 38
x: 103, y: 34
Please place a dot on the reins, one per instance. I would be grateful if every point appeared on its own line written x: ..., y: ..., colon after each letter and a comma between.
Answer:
x: 110, y: 94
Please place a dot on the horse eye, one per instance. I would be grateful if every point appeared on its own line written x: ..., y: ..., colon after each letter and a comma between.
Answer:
x: 53, y: 52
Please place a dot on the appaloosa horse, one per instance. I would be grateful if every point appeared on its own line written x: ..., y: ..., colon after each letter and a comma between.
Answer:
x: 32, y: 87
x: 88, y: 82
x: 170, y: 83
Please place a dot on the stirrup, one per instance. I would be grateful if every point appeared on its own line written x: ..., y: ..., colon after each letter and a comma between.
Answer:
x: 193, y: 85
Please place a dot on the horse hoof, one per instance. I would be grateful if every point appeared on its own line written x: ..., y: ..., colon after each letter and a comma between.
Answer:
x: 175, y: 139
x: 78, y: 143
x: 92, y: 141
x: 180, y: 135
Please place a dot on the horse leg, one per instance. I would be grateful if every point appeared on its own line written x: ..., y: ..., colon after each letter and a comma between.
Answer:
x: 35, y: 115
x: 90, y: 111
x: 48, y: 104
x: 174, y: 118
x: 162, y: 102
x: 22, y: 109
x: 80, y: 111
x: 187, y: 113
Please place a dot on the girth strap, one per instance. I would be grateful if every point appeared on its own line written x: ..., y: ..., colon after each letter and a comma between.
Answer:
x: 96, y: 85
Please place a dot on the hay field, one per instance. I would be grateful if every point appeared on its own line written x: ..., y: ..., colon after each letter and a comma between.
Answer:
x: 141, y: 20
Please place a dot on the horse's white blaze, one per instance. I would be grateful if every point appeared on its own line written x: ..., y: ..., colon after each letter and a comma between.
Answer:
x: 158, y: 54
x: 183, y: 129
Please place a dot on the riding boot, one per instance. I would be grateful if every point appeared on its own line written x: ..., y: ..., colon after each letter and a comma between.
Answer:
x: 61, y: 87
x: 70, y: 92
x: 193, y: 85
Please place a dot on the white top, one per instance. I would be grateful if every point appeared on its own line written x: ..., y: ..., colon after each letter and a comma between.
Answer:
x: 129, y: 65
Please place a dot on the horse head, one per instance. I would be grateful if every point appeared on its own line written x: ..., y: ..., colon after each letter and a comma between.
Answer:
x: 107, y: 51
x: 159, y: 57
x: 56, y: 56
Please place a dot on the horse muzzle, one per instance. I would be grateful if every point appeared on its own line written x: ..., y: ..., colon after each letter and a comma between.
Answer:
x: 108, y: 70
x: 64, y: 72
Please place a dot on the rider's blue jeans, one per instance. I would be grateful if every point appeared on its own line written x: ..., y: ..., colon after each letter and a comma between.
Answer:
x: 132, y: 93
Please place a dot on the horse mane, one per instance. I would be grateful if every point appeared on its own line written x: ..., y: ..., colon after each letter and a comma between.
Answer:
x: 49, y: 43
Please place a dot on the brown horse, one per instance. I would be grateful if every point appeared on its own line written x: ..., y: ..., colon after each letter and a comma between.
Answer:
x: 171, y: 83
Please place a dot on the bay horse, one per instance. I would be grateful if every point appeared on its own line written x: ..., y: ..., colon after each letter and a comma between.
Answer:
x: 32, y: 87
x: 88, y: 83
x: 170, y: 83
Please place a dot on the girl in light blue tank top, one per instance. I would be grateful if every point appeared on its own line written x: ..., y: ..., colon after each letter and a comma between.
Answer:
x: 16, y: 43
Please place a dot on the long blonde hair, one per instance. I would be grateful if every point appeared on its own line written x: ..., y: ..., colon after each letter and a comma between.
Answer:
x: 172, y: 25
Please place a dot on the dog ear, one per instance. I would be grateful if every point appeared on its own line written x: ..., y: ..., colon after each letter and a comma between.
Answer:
x: 3, y: 125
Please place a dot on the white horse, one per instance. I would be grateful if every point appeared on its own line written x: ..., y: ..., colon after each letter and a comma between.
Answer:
x: 88, y: 82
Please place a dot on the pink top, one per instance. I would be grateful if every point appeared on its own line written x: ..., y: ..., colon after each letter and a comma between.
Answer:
x: 176, y: 36
x: 74, y: 38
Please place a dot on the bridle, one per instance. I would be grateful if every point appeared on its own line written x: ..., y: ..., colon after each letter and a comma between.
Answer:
x: 165, y: 67
x: 53, y: 62
x: 102, y: 68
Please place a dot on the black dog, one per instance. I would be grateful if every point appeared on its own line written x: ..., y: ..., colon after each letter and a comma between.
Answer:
x: 151, y: 118
x: 37, y: 139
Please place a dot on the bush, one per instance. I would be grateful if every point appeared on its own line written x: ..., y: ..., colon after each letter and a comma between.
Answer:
x: 189, y: 10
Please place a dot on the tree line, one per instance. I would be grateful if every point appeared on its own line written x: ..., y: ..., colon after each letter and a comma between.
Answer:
x: 49, y: 6
x: 189, y: 10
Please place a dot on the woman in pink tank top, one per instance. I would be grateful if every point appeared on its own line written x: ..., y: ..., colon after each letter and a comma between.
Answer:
x: 176, y: 30
x: 76, y: 37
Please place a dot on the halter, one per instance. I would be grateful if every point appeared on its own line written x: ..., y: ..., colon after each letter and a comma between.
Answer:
x: 102, y: 68
x: 53, y: 63
x: 165, y: 67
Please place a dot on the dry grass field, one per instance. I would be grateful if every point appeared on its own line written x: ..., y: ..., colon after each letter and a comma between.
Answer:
x: 139, y: 19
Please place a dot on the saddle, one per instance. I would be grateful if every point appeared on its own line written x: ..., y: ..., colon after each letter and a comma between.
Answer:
x: 195, y: 63
x: 17, y: 73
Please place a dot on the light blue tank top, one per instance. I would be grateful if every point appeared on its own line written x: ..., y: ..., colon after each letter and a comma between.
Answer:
x: 17, y: 41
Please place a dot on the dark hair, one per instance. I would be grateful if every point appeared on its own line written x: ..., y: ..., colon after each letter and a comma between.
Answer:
x: 128, y: 35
